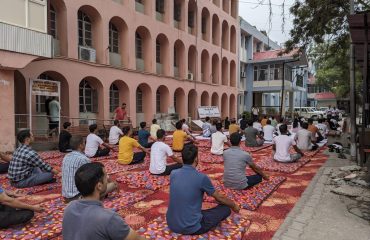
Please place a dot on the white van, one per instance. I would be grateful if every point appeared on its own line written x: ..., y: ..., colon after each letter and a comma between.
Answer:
x: 308, y: 112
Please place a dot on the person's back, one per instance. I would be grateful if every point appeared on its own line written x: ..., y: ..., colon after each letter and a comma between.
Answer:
x: 54, y: 108
x: 179, y: 137
x: 274, y: 122
x: 206, y: 128
x: 264, y: 121
x: 250, y: 134
x: 283, y: 144
x: 268, y: 131
x: 257, y: 125
x: 233, y: 128
x: 93, y: 142
x: 64, y: 138
x: 235, y: 162
x: 303, y: 138
x: 143, y: 136
x: 114, y: 134
x: 218, y: 140
x: 153, y: 130
x: 323, y: 128
x: 243, y: 124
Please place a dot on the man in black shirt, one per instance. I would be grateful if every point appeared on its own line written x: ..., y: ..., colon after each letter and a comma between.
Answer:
x: 64, y: 138
x: 243, y: 123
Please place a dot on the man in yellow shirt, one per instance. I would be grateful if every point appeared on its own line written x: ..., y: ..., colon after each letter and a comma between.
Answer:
x: 126, y: 149
x: 154, y: 128
x: 179, y: 138
x: 233, y: 128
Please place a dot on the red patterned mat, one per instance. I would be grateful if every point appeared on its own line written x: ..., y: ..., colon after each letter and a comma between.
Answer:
x: 252, y: 197
x: 32, y: 190
x: 253, y: 149
x: 51, y: 154
x: 206, y: 157
x: 143, y: 179
x: 269, y: 164
x: 233, y: 227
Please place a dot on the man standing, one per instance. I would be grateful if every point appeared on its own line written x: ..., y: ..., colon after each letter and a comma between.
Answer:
x: 187, y: 187
x: 26, y: 168
x: 243, y: 123
x: 115, y: 133
x: 87, y: 218
x: 235, y: 163
x: 54, y: 108
x: 255, y: 112
x: 281, y: 146
x: 120, y: 113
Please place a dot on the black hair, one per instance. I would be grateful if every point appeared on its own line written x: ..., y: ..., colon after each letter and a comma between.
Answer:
x: 125, y: 130
x: 161, y: 133
x: 265, y: 116
x: 295, y: 123
x: 123, y: 103
x: 66, y: 125
x: 87, y: 176
x: 235, y: 139
x: 304, y: 125
x: 207, y: 119
x: 189, y: 153
x: 23, y: 134
x: 272, y: 117
x: 93, y: 127
x: 154, y: 121
x: 283, y: 128
x: 268, y: 122
x: 178, y: 125
x: 243, y: 117
x: 116, y: 122
x: 310, y: 121
x: 76, y: 141
x: 250, y: 122
x: 143, y: 125
x: 233, y: 120
x: 183, y: 120
x: 320, y: 120
x: 218, y: 126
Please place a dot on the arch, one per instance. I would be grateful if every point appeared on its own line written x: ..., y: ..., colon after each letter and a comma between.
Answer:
x: 144, y: 111
x: 215, y: 69
x: 64, y: 89
x: 143, y: 49
x: 162, y: 55
x: 118, y: 44
x: 234, y: 8
x: 232, y: 73
x: 88, y: 17
x: 179, y: 14
x: 225, y: 35
x: 192, y: 103
x: 192, y: 17
x: 225, y: 72
x: 20, y: 98
x: 179, y: 59
x: 144, y: 6
x: 216, y: 2
x: 204, y: 99
x: 91, y: 99
x: 192, y: 62
x: 57, y: 27
x: 232, y: 106
x: 215, y: 100
x: 226, y: 5
x: 205, y: 67
x: 224, y: 106
x: 206, y: 24
x: 162, y: 99
x: 179, y: 102
x: 123, y: 94
x: 233, y: 39
x: 215, y: 30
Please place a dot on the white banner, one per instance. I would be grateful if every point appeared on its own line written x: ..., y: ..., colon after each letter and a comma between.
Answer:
x: 45, y: 87
x: 208, y: 111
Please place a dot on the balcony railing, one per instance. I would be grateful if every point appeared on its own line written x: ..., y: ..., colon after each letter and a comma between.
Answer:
x: 23, y: 40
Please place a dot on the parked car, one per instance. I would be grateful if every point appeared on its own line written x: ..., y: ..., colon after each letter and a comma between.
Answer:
x: 308, y: 112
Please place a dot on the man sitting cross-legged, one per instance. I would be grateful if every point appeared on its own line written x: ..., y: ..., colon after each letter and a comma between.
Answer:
x: 126, y: 147
x: 235, y: 162
x: 305, y: 139
x: 115, y: 133
x: 282, y: 144
x: 158, y: 156
x: 87, y: 219
x: 218, y: 140
x: 144, y: 136
x: 179, y: 138
x: 71, y: 162
x: 252, y: 137
x: 13, y: 211
x: 187, y: 187
x: 93, y: 143
x: 26, y: 168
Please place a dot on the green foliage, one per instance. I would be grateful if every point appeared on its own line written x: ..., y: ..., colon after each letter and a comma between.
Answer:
x: 247, y: 115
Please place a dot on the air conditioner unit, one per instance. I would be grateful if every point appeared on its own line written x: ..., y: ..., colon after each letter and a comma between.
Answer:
x: 87, y: 54
x: 190, y: 76
x: 243, y: 74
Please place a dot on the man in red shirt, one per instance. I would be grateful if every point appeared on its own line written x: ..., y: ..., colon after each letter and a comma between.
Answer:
x: 120, y: 113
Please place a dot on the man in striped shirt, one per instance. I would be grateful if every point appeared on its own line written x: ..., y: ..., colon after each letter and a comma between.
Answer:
x: 71, y: 162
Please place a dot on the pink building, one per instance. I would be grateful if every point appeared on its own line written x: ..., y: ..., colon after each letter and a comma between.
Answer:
x: 150, y: 54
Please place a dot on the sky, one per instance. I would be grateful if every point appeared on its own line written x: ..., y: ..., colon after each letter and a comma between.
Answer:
x: 258, y: 15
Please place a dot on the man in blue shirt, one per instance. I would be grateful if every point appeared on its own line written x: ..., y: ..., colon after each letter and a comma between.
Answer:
x: 144, y: 136
x: 187, y: 187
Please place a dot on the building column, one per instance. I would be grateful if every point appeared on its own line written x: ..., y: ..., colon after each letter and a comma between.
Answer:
x: 7, y: 126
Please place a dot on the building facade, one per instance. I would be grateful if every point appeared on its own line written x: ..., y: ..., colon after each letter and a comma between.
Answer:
x: 154, y: 55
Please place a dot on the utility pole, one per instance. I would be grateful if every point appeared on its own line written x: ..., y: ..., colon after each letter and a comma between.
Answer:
x: 353, y: 148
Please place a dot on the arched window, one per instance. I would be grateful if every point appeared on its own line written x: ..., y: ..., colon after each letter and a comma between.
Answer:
x: 158, y: 51
x: 113, y: 97
x: 113, y: 38
x: 84, y: 30
x: 139, y: 101
x: 88, y: 98
x: 158, y: 101
x: 139, y: 46
x: 41, y: 99
x: 53, y: 22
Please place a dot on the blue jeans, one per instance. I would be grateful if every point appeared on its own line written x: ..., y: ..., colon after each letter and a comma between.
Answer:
x: 212, y: 217
x: 37, y: 177
x: 253, y: 180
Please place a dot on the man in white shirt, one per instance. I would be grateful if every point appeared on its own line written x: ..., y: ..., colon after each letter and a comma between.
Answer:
x: 218, y: 139
x: 323, y: 128
x: 54, y: 110
x: 268, y: 131
x: 154, y: 128
x: 257, y: 125
x: 93, y: 143
x: 304, y: 138
x: 158, y: 156
x: 115, y: 133
x: 282, y: 144
x: 255, y: 112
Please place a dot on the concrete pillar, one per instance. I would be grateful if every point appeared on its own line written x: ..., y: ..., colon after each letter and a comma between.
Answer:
x: 7, y: 126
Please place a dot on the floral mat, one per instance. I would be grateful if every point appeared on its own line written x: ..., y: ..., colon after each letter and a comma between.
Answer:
x: 269, y: 164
